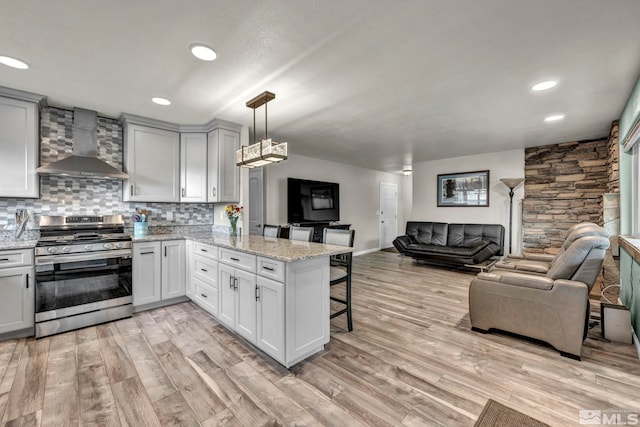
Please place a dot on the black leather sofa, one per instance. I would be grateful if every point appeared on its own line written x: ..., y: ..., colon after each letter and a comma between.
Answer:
x: 441, y: 242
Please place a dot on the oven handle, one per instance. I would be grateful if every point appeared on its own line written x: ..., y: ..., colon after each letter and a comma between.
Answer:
x: 60, y: 259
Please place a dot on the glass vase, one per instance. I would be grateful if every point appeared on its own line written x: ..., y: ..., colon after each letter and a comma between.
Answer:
x: 234, y: 226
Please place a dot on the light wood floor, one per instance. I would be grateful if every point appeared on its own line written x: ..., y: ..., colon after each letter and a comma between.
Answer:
x: 411, y: 360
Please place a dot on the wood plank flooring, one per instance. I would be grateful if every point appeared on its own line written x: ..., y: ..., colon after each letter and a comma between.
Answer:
x: 411, y: 360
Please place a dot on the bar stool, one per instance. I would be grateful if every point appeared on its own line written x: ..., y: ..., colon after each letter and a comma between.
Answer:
x: 341, y: 268
x: 271, y: 230
x: 304, y: 234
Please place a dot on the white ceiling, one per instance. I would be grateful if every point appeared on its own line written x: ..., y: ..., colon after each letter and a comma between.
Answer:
x: 373, y: 83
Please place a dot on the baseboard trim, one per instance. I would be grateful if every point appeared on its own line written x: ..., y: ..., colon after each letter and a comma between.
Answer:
x: 636, y: 343
x: 366, y: 251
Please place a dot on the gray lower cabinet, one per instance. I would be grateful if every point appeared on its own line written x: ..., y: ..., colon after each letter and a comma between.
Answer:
x: 280, y: 307
x: 17, y: 288
x: 159, y: 272
x: 238, y: 301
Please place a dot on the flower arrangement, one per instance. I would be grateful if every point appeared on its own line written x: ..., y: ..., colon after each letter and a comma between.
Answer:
x: 140, y: 224
x: 233, y: 213
x: 140, y: 215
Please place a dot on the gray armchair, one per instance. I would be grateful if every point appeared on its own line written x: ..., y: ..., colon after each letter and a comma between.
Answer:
x: 551, y: 308
x: 542, y: 263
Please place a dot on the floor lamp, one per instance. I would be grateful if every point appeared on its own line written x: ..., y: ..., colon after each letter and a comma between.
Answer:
x: 511, y: 183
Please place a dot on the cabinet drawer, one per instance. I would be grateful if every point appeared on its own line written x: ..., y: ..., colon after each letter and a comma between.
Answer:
x: 271, y: 268
x: 206, y: 270
x: 16, y: 258
x: 238, y: 259
x: 206, y: 251
x: 206, y: 297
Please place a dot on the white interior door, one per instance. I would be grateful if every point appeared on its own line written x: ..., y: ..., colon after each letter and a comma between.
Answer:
x: 256, y: 201
x: 388, y: 214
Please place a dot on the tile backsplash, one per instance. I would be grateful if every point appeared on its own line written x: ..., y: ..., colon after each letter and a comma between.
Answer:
x: 66, y: 196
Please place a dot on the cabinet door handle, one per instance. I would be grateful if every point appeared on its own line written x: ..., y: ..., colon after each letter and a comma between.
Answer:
x: 131, y: 190
x: 27, y: 280
x: 204, y: 250
x: 183, y: 192
x: 204, y: 269
x: 204, y: 296
x: 230, y: 282
x: 165, y: 251
x: 267, y: 268
x: 235, y: 283
x: 146, y: 253
x: 257, y: 294
x: 4, y: 259
x: 213, y: 191
x: 234, y: 259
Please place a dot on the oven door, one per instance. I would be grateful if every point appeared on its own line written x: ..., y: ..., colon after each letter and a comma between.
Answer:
x: 68, y: 285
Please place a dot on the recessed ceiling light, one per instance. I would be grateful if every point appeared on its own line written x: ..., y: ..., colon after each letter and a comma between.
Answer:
x: 161, y: 101
x: 554, y: 118
x: 203, y: 52
x: 538, y: 87
x: 13, y: 62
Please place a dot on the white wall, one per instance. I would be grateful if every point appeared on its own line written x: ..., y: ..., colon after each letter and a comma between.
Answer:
x: 504, y: 164
x: 359, y: 194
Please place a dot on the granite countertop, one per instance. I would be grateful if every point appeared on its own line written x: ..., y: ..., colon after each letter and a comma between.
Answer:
x: 17, y: 244
x: 280, y: 249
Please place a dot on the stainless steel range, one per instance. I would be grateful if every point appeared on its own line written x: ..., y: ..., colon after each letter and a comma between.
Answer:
x: 83, y: 272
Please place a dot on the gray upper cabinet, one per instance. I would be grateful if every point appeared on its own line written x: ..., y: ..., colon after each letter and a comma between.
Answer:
x: 224, y: 175
x: 193, y: 167
x: 19, y: 144
x: 152, y: 160
x: 167, y: 162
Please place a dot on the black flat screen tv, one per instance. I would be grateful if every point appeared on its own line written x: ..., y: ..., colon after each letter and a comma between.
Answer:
x: 312, y: 201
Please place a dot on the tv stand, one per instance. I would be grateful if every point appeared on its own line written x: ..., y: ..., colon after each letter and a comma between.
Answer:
x: 318, y: 228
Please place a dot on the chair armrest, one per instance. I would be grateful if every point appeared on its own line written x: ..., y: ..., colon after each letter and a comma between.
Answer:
x: 539, y: 257
x: 531, y: 281
x: 402, y: 243
x: 517, y: 279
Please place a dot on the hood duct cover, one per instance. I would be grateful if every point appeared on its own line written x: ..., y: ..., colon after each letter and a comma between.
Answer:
x: 84, y: 161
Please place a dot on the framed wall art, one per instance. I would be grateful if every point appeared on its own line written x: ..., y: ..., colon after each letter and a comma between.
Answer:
x: 464, y: 189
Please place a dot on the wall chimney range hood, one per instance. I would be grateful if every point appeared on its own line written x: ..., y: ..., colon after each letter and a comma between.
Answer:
x: 84, y: 161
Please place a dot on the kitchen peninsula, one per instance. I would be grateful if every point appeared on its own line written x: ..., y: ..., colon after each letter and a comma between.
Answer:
x: 272, y: 292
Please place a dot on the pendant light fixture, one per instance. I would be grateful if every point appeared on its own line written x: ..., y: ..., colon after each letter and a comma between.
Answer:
x: 266, y: 151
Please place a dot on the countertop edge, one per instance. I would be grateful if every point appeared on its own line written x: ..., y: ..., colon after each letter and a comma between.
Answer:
x: 632, y: 245
x: 336, y: 250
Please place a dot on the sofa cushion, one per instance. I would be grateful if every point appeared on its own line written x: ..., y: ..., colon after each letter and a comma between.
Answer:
x: 430, y: 233
x: 467, y: 251
x: 472, y: 234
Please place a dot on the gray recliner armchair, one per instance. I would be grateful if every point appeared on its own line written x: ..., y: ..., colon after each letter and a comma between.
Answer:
x: 541, y: 263
x: 552, y: 307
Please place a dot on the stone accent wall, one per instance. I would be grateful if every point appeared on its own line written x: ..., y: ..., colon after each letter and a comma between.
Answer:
x: 564, y: 185
x: 613, y: 147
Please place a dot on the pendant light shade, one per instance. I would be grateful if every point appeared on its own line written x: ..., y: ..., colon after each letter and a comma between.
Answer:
x: 264, y: 152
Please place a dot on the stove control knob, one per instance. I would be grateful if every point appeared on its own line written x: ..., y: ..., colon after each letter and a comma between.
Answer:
x: 52, y: 250
x: 66, y: 249
x: 108, y: 246
x: 87, y: 247
x: 118, y: 245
